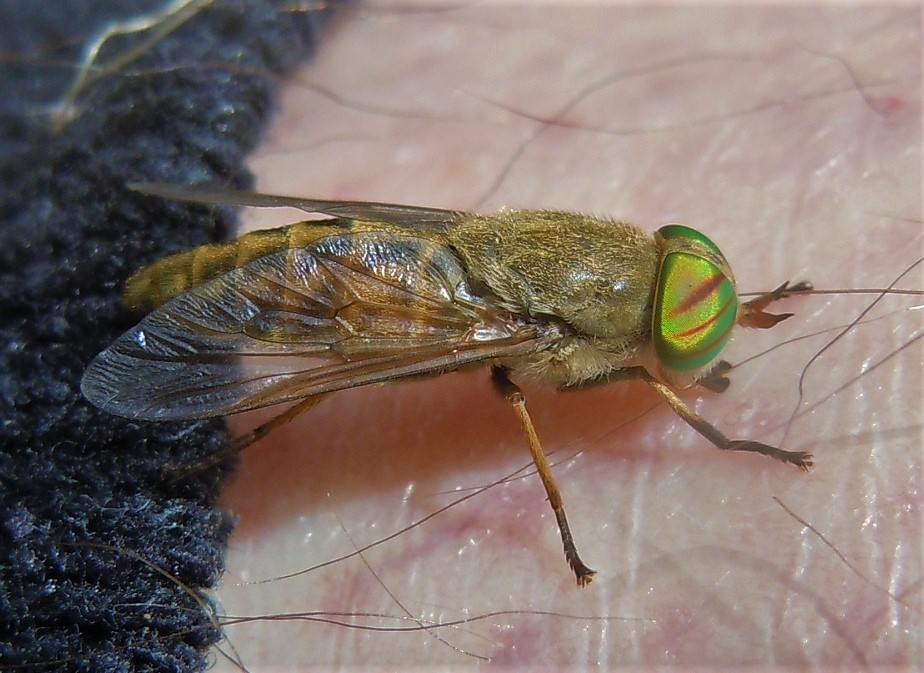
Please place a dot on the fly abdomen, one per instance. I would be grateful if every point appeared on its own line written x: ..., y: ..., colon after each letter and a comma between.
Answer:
x: 173, y: 275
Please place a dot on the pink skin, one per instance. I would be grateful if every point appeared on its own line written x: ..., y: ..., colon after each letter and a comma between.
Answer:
x: 769, y: 147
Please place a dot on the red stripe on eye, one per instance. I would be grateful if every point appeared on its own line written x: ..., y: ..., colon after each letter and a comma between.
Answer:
x: 706, y: 323
x: 697, y: 294
x: 705, y: 348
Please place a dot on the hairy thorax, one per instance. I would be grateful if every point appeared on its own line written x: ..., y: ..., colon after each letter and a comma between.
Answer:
x: 589, y: 282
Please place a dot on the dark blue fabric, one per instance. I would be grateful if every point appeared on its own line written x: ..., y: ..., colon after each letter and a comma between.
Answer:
x: 81, y: 496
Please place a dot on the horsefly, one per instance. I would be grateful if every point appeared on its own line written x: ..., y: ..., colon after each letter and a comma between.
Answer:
x: 381, y: 292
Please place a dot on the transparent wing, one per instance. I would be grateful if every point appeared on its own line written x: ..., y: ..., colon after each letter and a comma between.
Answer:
x: 348, y: 310
x: 408, y: 216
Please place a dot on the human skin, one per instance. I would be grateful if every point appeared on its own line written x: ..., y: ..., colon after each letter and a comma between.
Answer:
x: 792, y: 138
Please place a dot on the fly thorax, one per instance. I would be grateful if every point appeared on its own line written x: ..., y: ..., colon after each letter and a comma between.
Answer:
x: 597, y: 275
x: 607, y: 307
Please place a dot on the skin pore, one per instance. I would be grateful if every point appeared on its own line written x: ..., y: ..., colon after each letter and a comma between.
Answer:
x: 792, y: 138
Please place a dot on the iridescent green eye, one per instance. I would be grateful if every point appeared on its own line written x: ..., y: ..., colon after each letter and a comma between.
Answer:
x: 696, y: 304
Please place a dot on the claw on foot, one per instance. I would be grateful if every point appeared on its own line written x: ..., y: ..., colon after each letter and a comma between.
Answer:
x: 583, y: 574
x: 800, y: 459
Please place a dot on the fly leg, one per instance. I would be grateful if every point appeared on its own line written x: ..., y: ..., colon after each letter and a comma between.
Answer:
x: 716, y: 381
x: 174, y: 474
x: 800, y: 459
x: 512, y: 394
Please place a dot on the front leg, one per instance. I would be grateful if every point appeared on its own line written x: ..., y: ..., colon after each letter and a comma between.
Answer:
x: 800, y: 459
x: 716, y: 381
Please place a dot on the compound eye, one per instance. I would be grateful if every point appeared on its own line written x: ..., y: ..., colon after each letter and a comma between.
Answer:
x: 696, y: 304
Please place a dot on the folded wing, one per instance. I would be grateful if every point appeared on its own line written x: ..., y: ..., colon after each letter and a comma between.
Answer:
x: 347, y: 310
x: 416, y: 217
